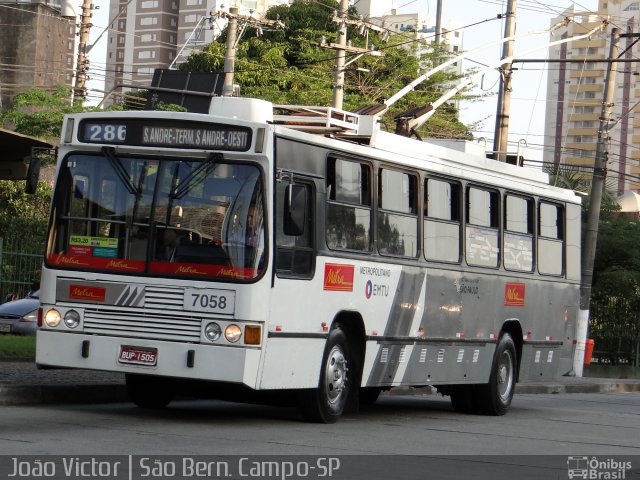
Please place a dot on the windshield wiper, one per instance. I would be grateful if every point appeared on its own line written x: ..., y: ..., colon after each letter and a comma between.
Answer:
x: 191, y: 180
x: 117, y: 166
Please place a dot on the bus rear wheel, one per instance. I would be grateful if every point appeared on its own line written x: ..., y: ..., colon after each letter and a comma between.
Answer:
x: 495, y: 397
x: 147, y: 391
x: 326, y: 403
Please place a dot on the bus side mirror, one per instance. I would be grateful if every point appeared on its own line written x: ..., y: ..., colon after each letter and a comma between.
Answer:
x: 295, y: 209
x: 33, y: 175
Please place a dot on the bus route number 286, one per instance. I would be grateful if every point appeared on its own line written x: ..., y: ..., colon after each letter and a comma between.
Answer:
x: 210, y: 301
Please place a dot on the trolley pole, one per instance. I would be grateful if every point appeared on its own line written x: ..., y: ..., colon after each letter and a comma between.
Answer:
x: 501, y: 135
x: 595, y: 201
x: 83, y: 62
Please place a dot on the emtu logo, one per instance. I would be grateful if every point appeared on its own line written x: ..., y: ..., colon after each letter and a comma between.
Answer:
x: 375, y: 290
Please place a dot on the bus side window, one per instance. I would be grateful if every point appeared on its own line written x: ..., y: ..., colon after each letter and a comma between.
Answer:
x: 348, y: 222
x: 518, y: 233
x: 483, y: 227
x: 550, y: 239
x: 442, y: 220
x: 397, y: 214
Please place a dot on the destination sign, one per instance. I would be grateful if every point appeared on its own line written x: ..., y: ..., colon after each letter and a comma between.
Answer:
x: 165, y: 133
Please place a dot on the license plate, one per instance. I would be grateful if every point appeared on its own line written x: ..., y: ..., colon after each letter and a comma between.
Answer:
x: 138, y: 355
x: 210, y: 300
x: 5, y: 327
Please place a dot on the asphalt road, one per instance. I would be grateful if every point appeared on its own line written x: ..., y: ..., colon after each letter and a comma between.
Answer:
x: 561, y: 424
x: 536, y: 439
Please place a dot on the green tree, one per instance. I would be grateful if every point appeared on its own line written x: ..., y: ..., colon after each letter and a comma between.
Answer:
x: 39, y: 113
x: 23, y: 217
x: 615, y: 300
x: 289, y: 67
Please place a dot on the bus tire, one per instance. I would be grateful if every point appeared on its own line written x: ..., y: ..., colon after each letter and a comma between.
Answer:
x: 369, y: 395
x: 147, y: 391
x: 326, y: 403
x: 495, y: 397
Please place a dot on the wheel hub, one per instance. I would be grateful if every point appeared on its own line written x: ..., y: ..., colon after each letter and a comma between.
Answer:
x: 335, y: 375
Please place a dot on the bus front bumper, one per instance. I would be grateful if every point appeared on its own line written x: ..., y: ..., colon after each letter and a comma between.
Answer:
x: 148, y: 357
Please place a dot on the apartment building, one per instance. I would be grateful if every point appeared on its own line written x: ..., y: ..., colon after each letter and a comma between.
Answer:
x: 575, y: 92
x: 37, y: 46
x: 150, y: 34
x: 421, y: 27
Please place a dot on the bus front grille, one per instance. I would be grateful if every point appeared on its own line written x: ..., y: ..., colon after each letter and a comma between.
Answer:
x: 143, y: 324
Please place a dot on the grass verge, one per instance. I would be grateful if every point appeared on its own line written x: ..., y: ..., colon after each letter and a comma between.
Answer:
x: 17, y: 346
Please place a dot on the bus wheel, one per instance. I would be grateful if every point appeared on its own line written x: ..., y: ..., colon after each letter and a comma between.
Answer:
x: 147, y: 391
x: 369, y: 395
x: 495, y: 397
x: 326, y: 403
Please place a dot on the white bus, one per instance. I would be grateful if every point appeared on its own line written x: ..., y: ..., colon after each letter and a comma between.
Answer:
x: 303, y: 249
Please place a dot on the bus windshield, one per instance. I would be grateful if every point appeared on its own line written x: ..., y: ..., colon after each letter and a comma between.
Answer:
x: 157, y: 216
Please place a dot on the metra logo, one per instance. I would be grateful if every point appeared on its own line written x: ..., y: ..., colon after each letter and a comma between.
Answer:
x: 514, y: 294
x: 228, y: 272
x: 187, y: 270
x: 338, y: 277
x: 82, y: 292
x: 120, y: 265
x: 63, y: 260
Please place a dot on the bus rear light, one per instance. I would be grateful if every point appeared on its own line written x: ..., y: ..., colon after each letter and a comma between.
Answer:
x: 252, y: 334
x: 40, y: 317
x: 52, y: 318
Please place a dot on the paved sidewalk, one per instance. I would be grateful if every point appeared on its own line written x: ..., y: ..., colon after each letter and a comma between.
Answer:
x: 22, y: 383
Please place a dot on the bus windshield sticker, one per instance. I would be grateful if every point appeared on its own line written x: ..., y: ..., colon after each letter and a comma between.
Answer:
x: 104, y: 242
x: 338, y: 277
x: 80, y: 245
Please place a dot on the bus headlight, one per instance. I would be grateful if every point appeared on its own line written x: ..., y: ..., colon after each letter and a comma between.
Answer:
x: 72, y: 319
x: 212, y: 331
x: 232, y: 333
x: 52, y: 318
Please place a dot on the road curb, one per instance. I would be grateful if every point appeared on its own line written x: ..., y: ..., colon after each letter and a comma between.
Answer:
x: 603, y: 387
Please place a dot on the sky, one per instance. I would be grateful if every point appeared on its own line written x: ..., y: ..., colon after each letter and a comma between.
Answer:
x: 478, y: 20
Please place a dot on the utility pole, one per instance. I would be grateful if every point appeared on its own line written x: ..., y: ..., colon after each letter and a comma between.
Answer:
x: 595, y: 201
x: 501, y: 135
x: 83, y: 61
x: 341, y: 54
x: 438, y: 21
x: 233, y: 36
x: 230, y: 55
x: 342, y: 47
